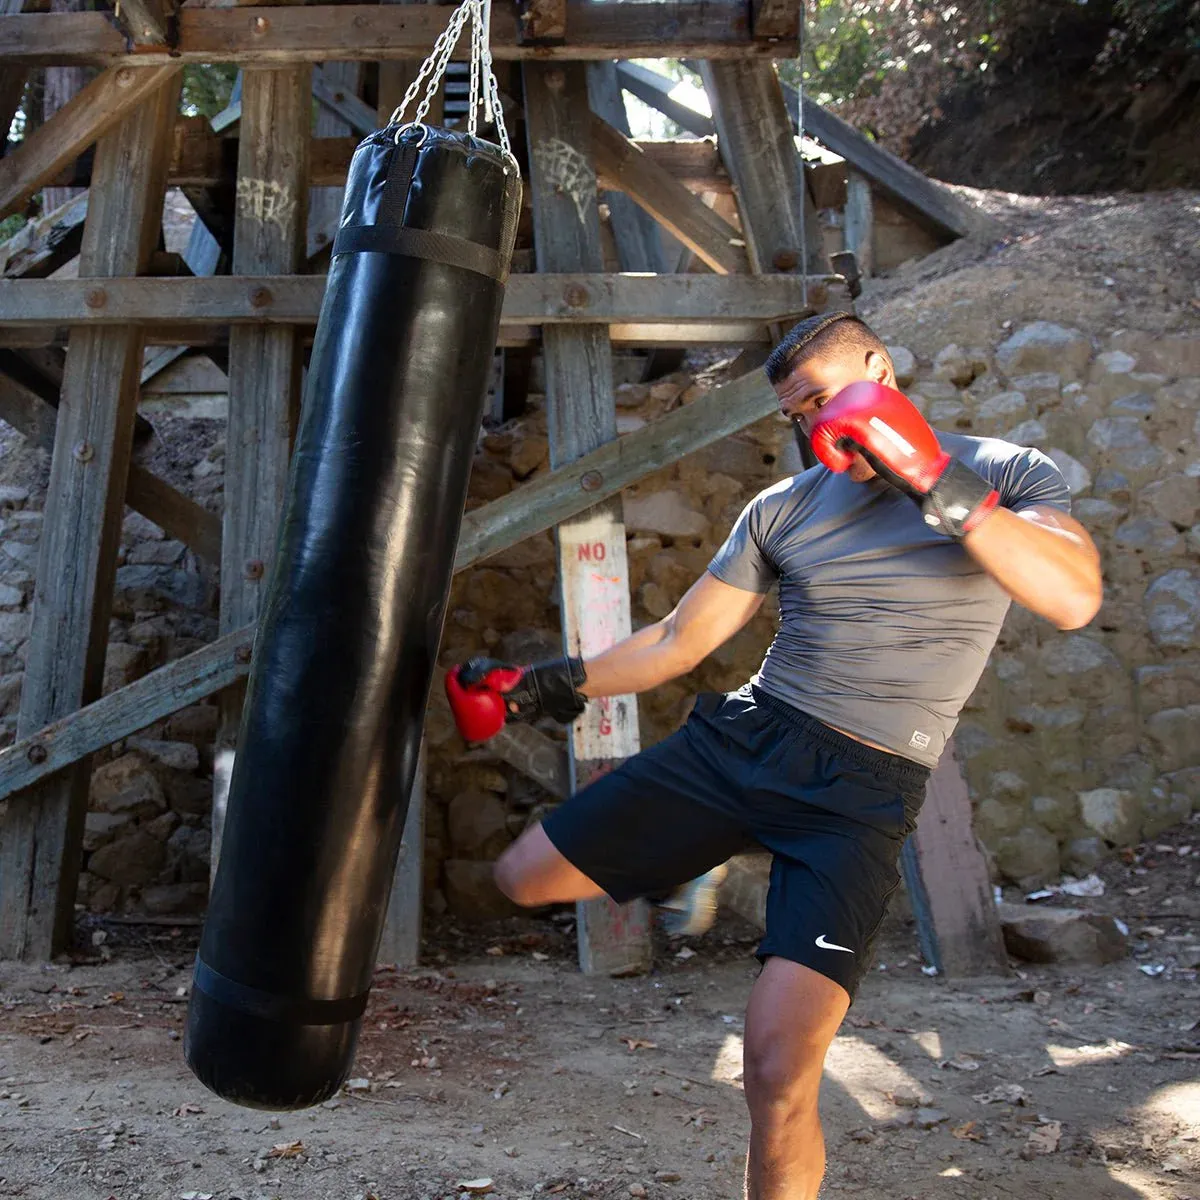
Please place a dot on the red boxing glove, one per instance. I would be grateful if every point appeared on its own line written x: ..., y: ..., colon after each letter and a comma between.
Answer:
x: 479, y: 710
x: 484, y: 693
x: 884, y: 426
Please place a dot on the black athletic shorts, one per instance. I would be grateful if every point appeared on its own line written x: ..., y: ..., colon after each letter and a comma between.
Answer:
x: 747, y: 771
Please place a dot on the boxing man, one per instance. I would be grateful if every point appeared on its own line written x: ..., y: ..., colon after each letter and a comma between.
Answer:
x: 896, y: 560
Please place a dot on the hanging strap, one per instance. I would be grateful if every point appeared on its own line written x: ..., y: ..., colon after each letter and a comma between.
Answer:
x: 270, y: 1006
x: 421, y: 243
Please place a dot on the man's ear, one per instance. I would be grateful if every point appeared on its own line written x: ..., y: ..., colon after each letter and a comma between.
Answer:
x: 879, y: 370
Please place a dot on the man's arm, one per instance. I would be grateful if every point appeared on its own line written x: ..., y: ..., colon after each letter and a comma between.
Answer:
x: 708, y: 615
x: 1044, y: 560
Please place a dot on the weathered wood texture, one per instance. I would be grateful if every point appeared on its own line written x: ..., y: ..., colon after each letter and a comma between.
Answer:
x: 327, y: 33
x: 542, y: 22
x: 41, y: 835
x: 147, y: 22
x: 954, y: 878
x: 671, y: 203
x: 581, y: 416
x: 754, y: 137
x: 12, y: 79
x: 655, y: 89
x: 537, y: 299
x: 499, y: 525
x: 264, y: 365
x: 859, y: 228
x: 335, y: 87
x: 395, y: 78
x: 60, y: 84
x: 777, y: 19
x: 104, y: 102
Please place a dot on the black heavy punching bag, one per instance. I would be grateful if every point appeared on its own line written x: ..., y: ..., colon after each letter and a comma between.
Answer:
x: 351, y: 622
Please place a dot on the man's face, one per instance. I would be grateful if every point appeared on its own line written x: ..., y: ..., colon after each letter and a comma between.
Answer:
x: 809, y: 387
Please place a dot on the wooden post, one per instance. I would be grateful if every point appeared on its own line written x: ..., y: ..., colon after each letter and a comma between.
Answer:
x: 582, y: 415
x: 325, y: 203
x: 264, y: 366
x: 41, y: 832
x: 947, y: 881
x: 859, y: 228
x: 395, y: 78
x: 401, y: 940
x: 754, y: 136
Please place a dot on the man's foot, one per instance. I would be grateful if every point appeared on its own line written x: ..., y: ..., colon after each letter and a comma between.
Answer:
x: 691, y: 909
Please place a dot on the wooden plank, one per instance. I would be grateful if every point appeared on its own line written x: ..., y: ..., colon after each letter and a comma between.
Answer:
x: 962, y: 929
x: 696, y: 164
x: 395, y: 78
x: 754, y: 136
x: 41, y: 838
x: 582, y: 416
x: 44, y: 245
x: 146, y: 22
x: 542, y: 22
x: 537, y: 299
x: 534, y: 507
x: 264, y: 366
x: 655, y: 90
x: 329, y: 32
x: 335, y: 87
x: 677, y: 209
x: 12, y: 79
x: 104, y: 102
x: 777, y: 19
x: 858, y: 230
x: 928, y: 201
x: 27, y: 413
x: 179, y: 516
x: 400, y: 944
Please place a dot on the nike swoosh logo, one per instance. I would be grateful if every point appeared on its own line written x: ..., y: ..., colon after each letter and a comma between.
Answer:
x: 831, y: 946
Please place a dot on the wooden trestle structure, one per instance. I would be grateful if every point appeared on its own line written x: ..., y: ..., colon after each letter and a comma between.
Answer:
x: 249, y: 289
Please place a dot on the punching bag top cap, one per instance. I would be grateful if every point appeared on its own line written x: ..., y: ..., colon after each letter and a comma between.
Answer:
x: 460, y: 208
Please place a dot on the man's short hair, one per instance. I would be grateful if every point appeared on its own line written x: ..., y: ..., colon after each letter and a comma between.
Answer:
x: 833, y: 333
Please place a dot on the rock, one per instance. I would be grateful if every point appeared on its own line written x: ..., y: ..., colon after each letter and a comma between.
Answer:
x: 629, y: 423
x: 1112, y: 813
x: 1137, y: 404
x: 126, y: 785
x: 1175, y: 499
x: 1097, y: 516
x: 631, y: 395
x: 1029, y: 857
x: 945, y: 412
x: 103, y: 897
x: 1078, y: 477
x: 176, y: 756
x: 11, y: 597
x: 165, y: 899
x: 478, y: 829
x: 14, y: 627
x: 157, y: 553
x: 471, y: 891
x: 20, y: 552
x: 1002, y: 405
x: 99, y: 828
x: 1058, y: 814
x: 1175, y: 355
x: 653, y: 597
x: 957, y: 366
x: 10, y: 692
x: 13, y: 497
x: 144, y: 587
x: 1172, y: 607
x: 1060, y: 935
x: 1082, y: 855
x: 123, y: 663
x: 529, y: 451
x: 1175, y: 685
x: 1110, y: 433
x: 1056, y: 717
x: 666, y: 513
x: 667, y: 391
x: 1173, y: 738
x: 189, y: 853
x: 1075, y: 654
x: 137, y: 528
x: 1163, y: 808
x: 904, y: 364
x: 135, y: 858
x: 1041, y: 390
x: 162, y: 826
x: 1044, y: 346
x: 1151, y: 536
x: 1185, y: 782
x: 1112, y: 485
x: 1113, y: 362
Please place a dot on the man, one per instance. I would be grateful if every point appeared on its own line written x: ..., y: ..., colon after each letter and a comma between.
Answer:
x: 888, y: 611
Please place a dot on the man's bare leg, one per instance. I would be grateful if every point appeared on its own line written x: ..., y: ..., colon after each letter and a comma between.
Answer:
x: 792, y: 1017
x: 532, y: 871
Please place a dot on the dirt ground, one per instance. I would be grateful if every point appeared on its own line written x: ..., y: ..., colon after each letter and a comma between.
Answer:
x: 499, y: 1061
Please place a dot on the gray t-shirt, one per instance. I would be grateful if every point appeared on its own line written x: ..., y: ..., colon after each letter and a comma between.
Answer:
x: 885, y: 625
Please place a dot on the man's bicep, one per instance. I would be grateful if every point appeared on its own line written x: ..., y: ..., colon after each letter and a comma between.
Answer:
x: 1053, y: 518
x: 710, y: 613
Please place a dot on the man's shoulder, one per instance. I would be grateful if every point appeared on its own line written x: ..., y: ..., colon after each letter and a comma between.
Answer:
x: 982, y: 450
x: 789, y: 491
x: 1019, y: 473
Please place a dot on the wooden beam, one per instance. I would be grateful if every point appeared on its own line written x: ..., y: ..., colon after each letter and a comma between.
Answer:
x: 264, y: 366
x: 536, y: 299
x: 858, y: 230
x: 146, y: 22
x: 337, y: 92
x: 533, y: 508
x: 777, y: 19
x: 542, y: 22
x: 754, y: 137
x: 929, y: 202
x: 655, y: 90
x: 947, y: 877
x: 329, y: 32
x: 695, y: 163
x: 44, y: 245
x: 104, y: 102
x: 41, y: 839
x: 677, y: 209
x: 582, y: 416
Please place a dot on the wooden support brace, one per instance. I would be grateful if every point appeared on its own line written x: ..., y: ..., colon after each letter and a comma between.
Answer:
x: 534, y: 507
x: 655, y: 90
x: 41, y: 839
x: 264, y: 365
x: 340, y: 112
x: 859, y: 228
x: 147, y: 22
x: 776, y: 19
x: 104, y: 102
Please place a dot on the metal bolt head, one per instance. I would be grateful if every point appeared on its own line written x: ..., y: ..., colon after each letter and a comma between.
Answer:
x: 556, y: 79
x: 95, y: 297
x: 785, y: 260
x: 37, y: 754
x: 261, y: 25
x: 83, y: 451
x: 242, y: 655
x: 260, y: 297
x: 591, y: 481
x: 254, y: 568
x: 125, y: 76
x: 576, y: 296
